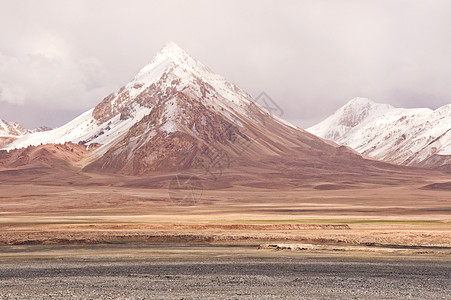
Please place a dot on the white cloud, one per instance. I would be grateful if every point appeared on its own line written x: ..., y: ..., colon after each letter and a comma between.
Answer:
x: 48, y: 73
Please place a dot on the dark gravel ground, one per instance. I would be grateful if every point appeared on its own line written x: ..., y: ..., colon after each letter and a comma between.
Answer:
x: 243, y: 278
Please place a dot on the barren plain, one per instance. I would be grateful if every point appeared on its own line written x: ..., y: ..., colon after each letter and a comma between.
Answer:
x: 371, y: 214
x: 66, y: 234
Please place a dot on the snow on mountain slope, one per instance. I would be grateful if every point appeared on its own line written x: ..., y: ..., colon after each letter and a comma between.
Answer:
x: 418, y: 137
x: 82, y: 129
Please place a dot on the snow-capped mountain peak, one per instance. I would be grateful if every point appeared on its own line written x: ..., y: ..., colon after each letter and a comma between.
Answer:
x: 169, y: 55
x: 359, y: 109
x: 174, y: 52
x: 172, y: 70
x: 353, y: 114
x: 362, y: 101
x: 415, y: 136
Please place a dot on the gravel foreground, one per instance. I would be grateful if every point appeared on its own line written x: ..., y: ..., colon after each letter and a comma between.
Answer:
x: 243, y: 278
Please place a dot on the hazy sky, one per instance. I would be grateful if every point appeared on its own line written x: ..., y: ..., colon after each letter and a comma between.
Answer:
x: 60, y: 58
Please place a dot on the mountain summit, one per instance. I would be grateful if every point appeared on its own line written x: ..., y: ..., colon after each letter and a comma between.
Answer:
x: 353, y: 114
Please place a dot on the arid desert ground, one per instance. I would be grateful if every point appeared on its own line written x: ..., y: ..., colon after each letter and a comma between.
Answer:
x: 384, y: 239
x: 371, y: 214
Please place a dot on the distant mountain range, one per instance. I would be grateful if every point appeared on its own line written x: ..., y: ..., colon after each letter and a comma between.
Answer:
x: 414, y: 137
x: 14, y: 129
x: 176, y: 114
x: 10, y: 131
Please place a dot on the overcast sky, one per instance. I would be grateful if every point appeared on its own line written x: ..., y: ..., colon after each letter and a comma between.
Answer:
x: 60, y: 58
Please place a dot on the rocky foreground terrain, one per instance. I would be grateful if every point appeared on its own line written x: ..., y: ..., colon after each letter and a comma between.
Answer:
x: 226, y: 278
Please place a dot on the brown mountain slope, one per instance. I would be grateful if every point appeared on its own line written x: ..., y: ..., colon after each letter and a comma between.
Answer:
x: 49, y: 154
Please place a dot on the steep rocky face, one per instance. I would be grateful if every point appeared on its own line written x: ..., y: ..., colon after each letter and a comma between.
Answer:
x: 416, y: 137
x: 107, y: 109
x: 170, y: 138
